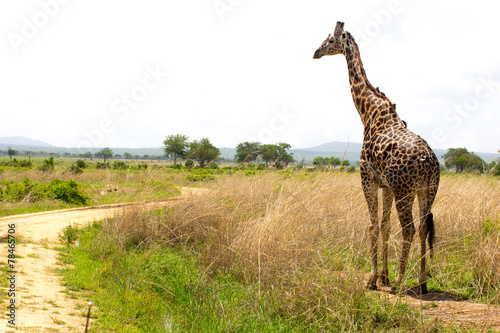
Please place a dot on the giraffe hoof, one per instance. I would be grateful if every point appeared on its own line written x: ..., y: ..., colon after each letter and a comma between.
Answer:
x: 371, y: 286
x: 423, y: 289
x: 384, y: 280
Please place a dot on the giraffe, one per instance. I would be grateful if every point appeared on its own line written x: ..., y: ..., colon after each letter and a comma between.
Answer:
x: 392, y: 158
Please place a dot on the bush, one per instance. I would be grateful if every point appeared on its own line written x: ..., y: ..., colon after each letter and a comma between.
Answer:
x: 351, y: 169
x: 66, y: 190
x: 189, y: 163
x: 48, y: 164
x: 213, y: 165
x: 75, y: 169
x: 100, y: 165
x: 81, y: 164
x: 16, y: 163
x: 26, y: 190
x: 201, y: 175
x: 119, y: 165
x: 261, y: 166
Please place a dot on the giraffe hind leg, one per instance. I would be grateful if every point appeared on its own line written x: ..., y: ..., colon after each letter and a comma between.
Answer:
x: 388, y: 198
x: 426, y: 232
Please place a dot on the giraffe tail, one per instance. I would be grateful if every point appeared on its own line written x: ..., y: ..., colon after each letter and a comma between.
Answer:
x: 429, y: 221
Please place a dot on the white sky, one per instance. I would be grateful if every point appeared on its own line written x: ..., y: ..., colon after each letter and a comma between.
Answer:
x: 241, y: 70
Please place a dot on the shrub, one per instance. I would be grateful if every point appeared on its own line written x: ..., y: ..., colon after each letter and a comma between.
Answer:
x: 75, y: 169
x: 25, y: 190
x: 200, y: 176
x: 119, y: 165
x: 100, y: 165
x: 16, y: 163
x: 261, y: 166
x: 213, y: 165
x: 81, y: 164
x: 48, y: 164
x: 66, y: 190
x: 189, y: 163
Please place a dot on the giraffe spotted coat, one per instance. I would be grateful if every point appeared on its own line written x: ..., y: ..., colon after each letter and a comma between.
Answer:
x: 393, y: 159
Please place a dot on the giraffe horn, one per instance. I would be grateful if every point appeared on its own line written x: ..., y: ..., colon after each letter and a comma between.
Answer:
x: 338, y: 29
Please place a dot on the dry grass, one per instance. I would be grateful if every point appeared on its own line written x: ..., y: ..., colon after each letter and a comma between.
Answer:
x: 305, y: 236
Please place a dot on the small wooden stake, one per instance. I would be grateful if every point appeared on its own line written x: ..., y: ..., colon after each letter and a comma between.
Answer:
x: 88, y: 317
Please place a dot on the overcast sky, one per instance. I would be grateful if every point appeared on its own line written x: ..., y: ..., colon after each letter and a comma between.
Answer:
x: 128, y: 73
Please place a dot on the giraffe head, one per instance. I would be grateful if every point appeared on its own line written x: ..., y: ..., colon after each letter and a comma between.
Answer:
x: 334, y: 44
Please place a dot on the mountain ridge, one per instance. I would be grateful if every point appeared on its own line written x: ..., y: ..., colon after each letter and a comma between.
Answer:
x: 23, y: 141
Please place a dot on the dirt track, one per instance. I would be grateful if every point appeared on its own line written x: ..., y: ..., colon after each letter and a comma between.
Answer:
x: 43, y: 306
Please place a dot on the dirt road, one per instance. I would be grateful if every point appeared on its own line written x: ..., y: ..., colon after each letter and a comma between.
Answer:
x: 41, y: 303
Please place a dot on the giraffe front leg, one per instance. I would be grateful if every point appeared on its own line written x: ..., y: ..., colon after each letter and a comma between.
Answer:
x: 374, y: 233
x: 370, y: 191
x: 406, y: 220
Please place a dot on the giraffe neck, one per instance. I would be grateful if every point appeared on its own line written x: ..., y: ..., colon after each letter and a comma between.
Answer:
x: 369, y: 101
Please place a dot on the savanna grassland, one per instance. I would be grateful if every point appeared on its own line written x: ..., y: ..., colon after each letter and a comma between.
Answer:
x: 265, y: 251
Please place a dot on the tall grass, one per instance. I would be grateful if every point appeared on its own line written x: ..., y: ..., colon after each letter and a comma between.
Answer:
x: 300, y: 242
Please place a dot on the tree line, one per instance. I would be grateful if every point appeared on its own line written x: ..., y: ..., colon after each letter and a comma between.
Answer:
x: 105, y: 153
x: 178, y: 148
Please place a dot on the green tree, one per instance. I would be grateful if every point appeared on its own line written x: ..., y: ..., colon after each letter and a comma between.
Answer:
x: 127, y: 156
x: 461, y: 160
x: 334, y: 161
x: 247, y: 152
x: 203, y: 151
x: 277, y: 155
x: 344, y: 163
x: 105, y: 153
x: 12, y: 152
x: 87, y: 155
x: 320, y: 161
x: 176, y: 146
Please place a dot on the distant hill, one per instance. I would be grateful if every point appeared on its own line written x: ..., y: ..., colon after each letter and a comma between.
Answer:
x: 337, y: 149
x: 22, y: 141
x: 329, y: 149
